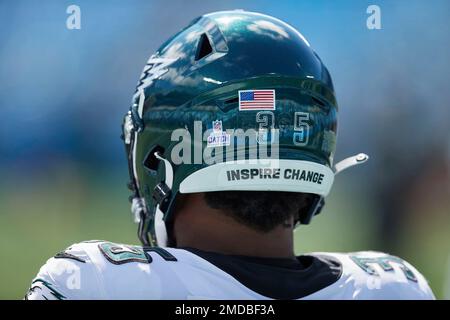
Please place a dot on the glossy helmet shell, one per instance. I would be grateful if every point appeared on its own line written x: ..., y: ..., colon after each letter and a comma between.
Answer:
x: 196, y: 76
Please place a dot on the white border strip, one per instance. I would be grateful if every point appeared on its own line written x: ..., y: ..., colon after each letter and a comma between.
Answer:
x: 281, y: 175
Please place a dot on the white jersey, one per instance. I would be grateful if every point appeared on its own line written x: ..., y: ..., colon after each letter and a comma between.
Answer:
x: 104, y: 270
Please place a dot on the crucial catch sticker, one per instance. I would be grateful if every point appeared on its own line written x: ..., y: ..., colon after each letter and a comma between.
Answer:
x: 218, y: 137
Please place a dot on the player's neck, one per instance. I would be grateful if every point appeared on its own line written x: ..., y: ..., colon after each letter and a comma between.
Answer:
x: 207, y: 229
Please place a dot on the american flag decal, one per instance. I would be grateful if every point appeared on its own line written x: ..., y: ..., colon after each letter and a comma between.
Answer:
x: 256, y: 100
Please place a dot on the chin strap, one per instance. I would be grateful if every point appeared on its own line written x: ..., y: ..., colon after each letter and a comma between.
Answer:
x: 319, y: 201
x: 161, y: 195
x: 140, y: 216
x: 350, y: 162
x: 137, y: 208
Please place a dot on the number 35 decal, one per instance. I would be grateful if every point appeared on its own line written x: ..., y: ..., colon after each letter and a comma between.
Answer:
x: 266, y: 120
x: 301, y: 128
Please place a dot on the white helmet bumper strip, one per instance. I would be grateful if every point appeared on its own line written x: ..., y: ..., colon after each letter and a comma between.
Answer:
x: 133, y: 150
x: 261, y: 175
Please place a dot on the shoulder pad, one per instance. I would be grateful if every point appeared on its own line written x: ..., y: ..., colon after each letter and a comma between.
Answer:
x: 70, y: 274
x: 377, y: 275
x: 103, y: 270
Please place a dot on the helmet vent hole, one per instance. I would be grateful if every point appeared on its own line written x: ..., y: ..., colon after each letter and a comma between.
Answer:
x: 151, y: 162
x: 232, y: 100
x: 318, y: 102
x: 204, y: 47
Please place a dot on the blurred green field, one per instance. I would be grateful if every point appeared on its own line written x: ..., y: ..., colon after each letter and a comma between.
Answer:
x: 68, y: 207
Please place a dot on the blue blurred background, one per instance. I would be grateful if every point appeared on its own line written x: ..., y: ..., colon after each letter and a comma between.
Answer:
x: 63, y: 94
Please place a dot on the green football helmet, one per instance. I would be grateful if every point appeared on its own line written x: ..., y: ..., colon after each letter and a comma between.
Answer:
x: 235, y: 101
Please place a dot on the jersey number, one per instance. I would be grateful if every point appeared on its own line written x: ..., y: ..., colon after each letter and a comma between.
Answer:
x: 120, y: 254
x: 385, y: 263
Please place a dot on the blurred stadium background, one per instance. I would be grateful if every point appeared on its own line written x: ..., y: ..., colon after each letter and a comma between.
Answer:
x: 63, y: 94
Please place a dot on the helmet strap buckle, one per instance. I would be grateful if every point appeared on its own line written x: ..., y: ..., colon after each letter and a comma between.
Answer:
x: 314, y: 209
x: 161, y: 195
